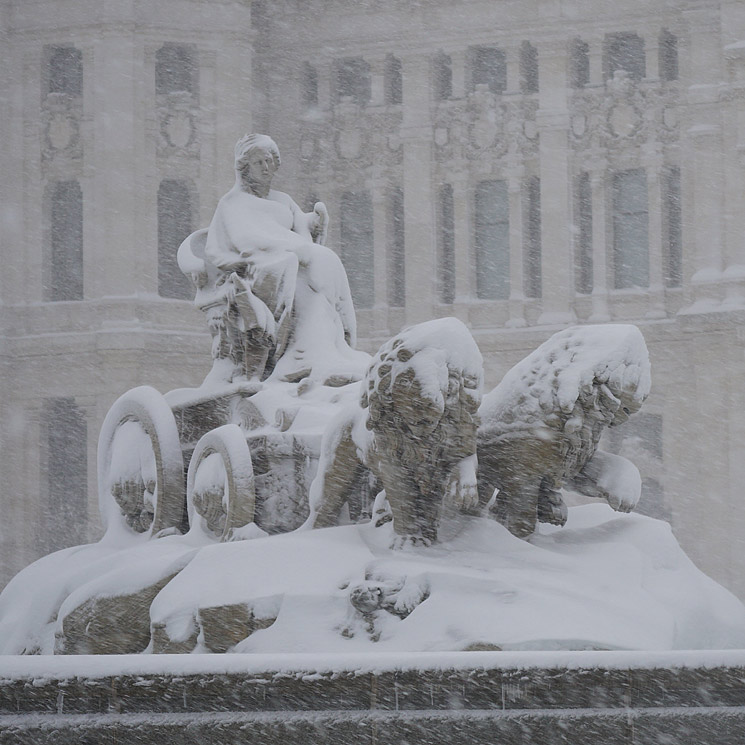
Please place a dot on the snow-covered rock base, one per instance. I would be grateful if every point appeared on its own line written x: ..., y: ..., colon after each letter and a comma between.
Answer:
x: 605, y: 581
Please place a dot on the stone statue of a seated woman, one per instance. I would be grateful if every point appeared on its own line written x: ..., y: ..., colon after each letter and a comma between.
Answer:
x: 277, y: 300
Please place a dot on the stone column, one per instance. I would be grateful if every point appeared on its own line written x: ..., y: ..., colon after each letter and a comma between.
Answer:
x: 419, y: 237
x: 234, y: 113
x: 701, y: 147
x: 212, y: 164
x: 553, y: 125
x: 600, y: 313
x: 652, y: 162
x: 515, y: 175
x: 21, y: 279
x: 113, y: 99
x: 703, y: 228
x: 380, y: 255
x: 733, y: 135
x: 462, y: 242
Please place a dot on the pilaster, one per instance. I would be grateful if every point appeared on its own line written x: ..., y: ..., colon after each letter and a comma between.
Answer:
x: 600, y: 313
x: 652, y: 162
x: 553, y: 126
x: 515, y: 177
x: 419, y: 238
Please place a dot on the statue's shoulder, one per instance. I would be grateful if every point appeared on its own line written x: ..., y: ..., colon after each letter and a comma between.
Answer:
x: 282, y: 198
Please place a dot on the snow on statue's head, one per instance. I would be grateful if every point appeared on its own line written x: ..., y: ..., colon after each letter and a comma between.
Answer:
x: 251, y: 142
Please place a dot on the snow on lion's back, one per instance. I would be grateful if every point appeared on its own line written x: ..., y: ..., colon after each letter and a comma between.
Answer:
x: 569, y: 363
x: 430, y: 349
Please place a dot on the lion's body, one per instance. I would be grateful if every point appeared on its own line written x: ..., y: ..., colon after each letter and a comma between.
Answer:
x: 414, y: 429
x: 542, y: 424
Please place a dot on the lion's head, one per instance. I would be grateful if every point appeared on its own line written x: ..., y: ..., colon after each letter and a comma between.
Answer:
x: 423, y: 390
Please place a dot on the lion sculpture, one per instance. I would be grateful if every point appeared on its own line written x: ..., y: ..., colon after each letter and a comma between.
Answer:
x: 414, y: 428
x: 540, y: 427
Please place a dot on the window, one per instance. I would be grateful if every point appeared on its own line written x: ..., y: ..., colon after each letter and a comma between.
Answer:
x: 488, y: 67
x: 583, y: 234
x: 396, y: 250
x: 357, y: 249
x: 442, y: 77
x: 668, y: 56
x: 65, y: 71
x: 492, y: 241
x: 309, y: 86
x: 64, y: 204
x: 532, y: 239
x: 353, y: 80
x: 672, y: 227
x: 175, y: 69
x: 445, y: 245
x: 65, y: 471
x: 624, y: 51
x: 528, y: 68
x: 579, y: 64
x: 174, y: 224
x: 630, y: 229
x: 393, y: 82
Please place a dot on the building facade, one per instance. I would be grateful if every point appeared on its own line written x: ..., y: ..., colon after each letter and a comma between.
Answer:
x: 521, y: 166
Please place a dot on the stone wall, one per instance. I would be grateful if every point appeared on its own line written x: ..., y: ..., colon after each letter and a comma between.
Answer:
x: 613, y: 699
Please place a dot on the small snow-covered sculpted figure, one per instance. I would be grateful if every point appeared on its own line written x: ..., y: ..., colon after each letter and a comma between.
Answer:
x: 540, y: 427
x: 277, y: 300
x: 414, y: 428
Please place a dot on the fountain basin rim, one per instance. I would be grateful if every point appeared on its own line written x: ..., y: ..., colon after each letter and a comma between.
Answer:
x: 38, y: 668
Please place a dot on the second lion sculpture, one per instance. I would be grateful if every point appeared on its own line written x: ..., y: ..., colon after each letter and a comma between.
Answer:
x: 414, y: 428
x: 541, y: 426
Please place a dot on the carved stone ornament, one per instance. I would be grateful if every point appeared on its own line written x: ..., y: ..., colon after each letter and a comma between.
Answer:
x: 624, y: 119
x: 177, y: 116
x: 179, y: 129
x: 61, y: 126
x: 349, y: 143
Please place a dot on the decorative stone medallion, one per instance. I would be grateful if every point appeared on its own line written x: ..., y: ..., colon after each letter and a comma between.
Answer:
x: 178, y: 129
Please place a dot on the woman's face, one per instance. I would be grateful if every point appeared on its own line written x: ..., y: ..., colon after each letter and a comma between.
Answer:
x: 258, y: 170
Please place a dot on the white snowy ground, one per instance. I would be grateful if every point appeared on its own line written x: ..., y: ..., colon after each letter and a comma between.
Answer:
x: 604, y: 581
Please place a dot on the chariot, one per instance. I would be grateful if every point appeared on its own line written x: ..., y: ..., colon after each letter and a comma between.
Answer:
x: 221, y: 462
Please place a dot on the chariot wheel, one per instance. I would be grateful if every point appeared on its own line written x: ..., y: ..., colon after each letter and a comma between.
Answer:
x: 220, y: 491
x: 140, y: 464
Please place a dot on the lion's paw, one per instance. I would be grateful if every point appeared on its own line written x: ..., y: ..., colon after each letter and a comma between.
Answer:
x: 463, y: 491
x: 465, y: 496
x: 552, y: 510
x: 409, y: 541
x: 623, y: 502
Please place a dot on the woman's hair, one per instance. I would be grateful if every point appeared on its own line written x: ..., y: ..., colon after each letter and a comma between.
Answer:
x: 248, y: 143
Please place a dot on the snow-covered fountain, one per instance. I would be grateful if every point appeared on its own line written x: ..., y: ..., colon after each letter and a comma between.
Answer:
x: 376, y: 511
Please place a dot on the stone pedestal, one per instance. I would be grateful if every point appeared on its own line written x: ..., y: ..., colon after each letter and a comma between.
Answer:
x: 462, y: 698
